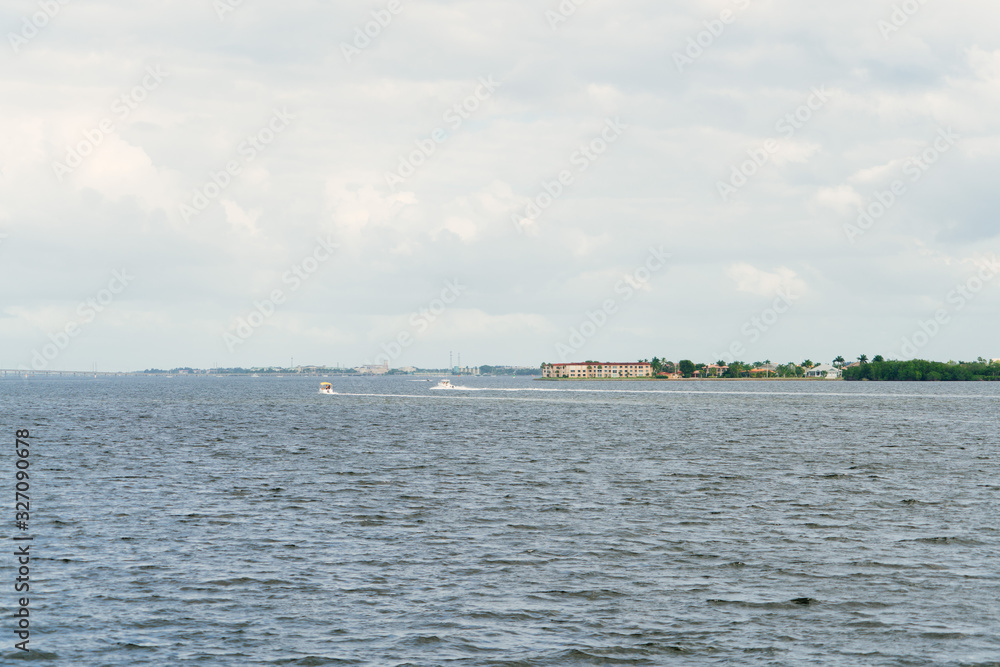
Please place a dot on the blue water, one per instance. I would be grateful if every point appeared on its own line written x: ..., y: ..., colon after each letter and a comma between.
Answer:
x: 241, y: 521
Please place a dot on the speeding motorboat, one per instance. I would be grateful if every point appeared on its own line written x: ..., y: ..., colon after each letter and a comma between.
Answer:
x: 444, y: 384
x: 326, y: 388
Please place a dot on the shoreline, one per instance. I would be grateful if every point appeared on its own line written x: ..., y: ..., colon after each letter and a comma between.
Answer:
x: 647, y: 379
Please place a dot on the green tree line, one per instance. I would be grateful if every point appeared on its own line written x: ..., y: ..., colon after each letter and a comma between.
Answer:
x: 921, y: 370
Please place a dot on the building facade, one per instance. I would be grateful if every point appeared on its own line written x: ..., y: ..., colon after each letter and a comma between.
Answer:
x: 824, y: 371
x: 593, y: 369
x: 373, y: 370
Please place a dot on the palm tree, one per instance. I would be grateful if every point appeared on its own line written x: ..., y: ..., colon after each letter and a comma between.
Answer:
x: 838, y: 362
x: 863, y: 359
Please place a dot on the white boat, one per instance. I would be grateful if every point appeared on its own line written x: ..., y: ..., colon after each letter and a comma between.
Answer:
x: 326, y: 388
x: 444, y: 384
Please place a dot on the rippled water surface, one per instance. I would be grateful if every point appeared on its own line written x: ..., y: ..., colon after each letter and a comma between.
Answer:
x: 253, y: 521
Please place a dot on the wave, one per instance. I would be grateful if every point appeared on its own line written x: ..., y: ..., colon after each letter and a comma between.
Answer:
x: 684, y: 392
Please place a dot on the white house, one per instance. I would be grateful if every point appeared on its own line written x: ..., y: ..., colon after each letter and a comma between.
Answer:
x: 824, y: 371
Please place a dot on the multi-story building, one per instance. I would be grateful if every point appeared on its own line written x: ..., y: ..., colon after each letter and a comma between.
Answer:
x: 373, y: 370
x: 595, y: 369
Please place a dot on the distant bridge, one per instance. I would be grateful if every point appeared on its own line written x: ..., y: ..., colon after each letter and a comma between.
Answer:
x: 7, y: 372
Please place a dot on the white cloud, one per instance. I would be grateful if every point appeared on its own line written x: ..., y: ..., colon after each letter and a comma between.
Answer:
x: 240, y: 219
x: 843, y: 199
x: 654, y: 186
x: 752, y: 280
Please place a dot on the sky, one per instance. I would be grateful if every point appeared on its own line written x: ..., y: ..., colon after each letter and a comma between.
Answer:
x: 238, y: 183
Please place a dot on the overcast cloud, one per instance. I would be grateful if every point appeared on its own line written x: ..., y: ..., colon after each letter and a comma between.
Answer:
x: 715, y: 156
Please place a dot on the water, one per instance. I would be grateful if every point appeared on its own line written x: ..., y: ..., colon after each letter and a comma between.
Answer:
x: 254, y: 521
